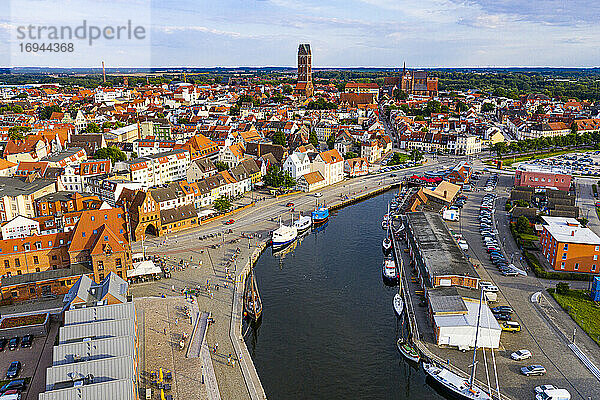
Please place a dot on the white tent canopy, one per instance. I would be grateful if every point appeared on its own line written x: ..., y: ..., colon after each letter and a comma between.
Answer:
x: 143, y: 268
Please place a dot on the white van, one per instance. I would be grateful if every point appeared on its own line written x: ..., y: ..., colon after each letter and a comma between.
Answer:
x: 554, y: 394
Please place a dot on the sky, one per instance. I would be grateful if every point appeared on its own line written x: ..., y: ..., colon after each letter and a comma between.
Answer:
x: 342, y: 33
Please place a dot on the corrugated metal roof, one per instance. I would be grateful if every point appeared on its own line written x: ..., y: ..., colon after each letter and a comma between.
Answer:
x: 103, y: 370
x: 93, y: 350
x: 103, y: 313
x: 96, y: 330
x: 123, y: 389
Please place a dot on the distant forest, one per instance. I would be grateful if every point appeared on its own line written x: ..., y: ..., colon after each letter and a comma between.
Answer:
x: 581, y: 84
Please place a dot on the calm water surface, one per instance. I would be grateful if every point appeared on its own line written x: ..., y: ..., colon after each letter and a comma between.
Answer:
x: 328, y: 329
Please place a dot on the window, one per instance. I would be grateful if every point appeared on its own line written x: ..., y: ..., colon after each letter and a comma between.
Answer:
x: 597, y: 248
x: 36, y: 260
x: 38, y: 245
x: 6, y: 263
x: 101, y: 276
x: 31, y: 290
x: 594, y: 268
x: 82, y: 234
x: 564, y: 256
x: 15, y: 248
x: 566, y: 246
x: 95, y: 231
x: 50, y: 243
x: 105, y: 217
x: 62, y: 283
x: 562, y: 265
x: 17, y: 262
x: 100, y: 265
x: 106, y: 238
x: 93, y: 219
x: 15, y: 294
x: 19, y: 272
x: 576, y: 267
x: 68, y: 281
x: 595, y: 257
x: 118, y: 263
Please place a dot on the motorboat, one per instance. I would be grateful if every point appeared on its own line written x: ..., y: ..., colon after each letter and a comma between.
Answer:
x: 398, y: 304
x: 457, y: 385
x: 283, y: 235
x: 303, y: 223
x: 390, y: 273
x: 386, y: 245
x: 409, y: 351
x: 385, y: 223
x: 320, y: 215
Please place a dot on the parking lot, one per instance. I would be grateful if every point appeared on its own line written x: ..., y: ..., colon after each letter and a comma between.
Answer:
x: 34, y: 361
x: 564, y: 370
x: 584, y: 163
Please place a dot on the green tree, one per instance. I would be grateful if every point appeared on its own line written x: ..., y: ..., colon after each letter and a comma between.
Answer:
x: 92, y: 127
x: 499, y: 148
x: 48, y: 110
x: 522, y: 225
x: 276, y: 177
x: 461, y: 106
x: 416, y: 155
x: 110, y: 153
x: 562, y: 288
x: 331, y: 142
x: 221, y: 166
x: 18, y: 132
x: 222, y: 204
x: 279, y: 138
x: 312, y: 138
x: 350, y: 154
x: 400, y: 95
x: 287, y: 89
x: 234, y: 110
x: 487, y: 107
x: 574, y: 128
x: 540, y: 109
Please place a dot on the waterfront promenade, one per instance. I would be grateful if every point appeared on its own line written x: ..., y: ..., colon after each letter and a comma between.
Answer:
x: 212, y: 260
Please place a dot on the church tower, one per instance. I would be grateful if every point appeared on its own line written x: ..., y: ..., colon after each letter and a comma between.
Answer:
x: 304, y: 86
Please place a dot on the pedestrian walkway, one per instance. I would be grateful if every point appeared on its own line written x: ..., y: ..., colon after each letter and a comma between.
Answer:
x: 198, y: 335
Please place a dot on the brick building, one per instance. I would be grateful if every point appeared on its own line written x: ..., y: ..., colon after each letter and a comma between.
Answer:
x: 539, y: 176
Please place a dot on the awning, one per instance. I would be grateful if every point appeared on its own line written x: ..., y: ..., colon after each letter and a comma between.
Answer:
x: 206, y: 213
x: 143, y: 268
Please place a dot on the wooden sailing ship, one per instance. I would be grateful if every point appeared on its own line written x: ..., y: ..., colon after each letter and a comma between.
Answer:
x: 252, y: 302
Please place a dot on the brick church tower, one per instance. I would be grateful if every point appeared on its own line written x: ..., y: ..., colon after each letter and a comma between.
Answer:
x: 304, y: 86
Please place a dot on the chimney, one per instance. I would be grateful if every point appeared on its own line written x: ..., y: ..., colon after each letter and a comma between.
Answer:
x: 572, y: 233
x: 445, y: 193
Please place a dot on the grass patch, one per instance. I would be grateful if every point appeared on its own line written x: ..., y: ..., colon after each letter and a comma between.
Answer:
x: 399, y: 158
x: 508, y: 161
x: 582, y: 309
x: 528, y: 237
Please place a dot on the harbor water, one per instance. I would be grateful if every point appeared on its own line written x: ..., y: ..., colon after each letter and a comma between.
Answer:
x: 328, y: 329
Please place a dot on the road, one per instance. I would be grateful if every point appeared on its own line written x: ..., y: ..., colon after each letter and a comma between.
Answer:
x: 539, y: 334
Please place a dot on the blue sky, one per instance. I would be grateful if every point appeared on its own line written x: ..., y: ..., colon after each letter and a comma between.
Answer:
x: 343, y: 33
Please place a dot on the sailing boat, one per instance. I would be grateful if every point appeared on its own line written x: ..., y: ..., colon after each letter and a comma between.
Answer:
x: 398, y: 301
x: 460, y: 387
x: 386, y: 245
x: 252, y: 302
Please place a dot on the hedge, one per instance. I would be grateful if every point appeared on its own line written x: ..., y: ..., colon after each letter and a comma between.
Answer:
x: 540, y: 272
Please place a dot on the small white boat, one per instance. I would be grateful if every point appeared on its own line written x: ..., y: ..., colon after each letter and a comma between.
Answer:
x: 303, y: 223
x: 398, y: 304
x: 385, y: 222
x: 386, y: 245
x: 455, y: 384
x: 390, y: 272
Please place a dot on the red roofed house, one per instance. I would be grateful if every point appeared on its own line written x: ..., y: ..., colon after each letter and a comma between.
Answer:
x: 331, y: 166
x: 354, y: 167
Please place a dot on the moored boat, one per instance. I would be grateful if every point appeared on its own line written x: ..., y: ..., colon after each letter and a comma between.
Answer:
x: 283, y: 235
x: 408, y: 350
x: 458, y: 386
x: 398, y: 304
x: 320, y: 215
x: 386, y: 245
x: 390, y: 272
x: 303, y: 223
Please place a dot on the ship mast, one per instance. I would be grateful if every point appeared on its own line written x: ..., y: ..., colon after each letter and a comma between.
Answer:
x: 472, y: 378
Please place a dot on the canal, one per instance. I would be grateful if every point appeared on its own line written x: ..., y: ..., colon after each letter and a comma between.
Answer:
x: 328, y: 329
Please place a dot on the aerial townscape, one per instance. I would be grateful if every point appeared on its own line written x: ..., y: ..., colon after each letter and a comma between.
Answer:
x: 299, y: 232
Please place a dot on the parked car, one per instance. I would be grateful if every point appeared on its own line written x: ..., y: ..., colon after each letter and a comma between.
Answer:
x: 13, y: 370
x: 532, y: 370
x: 3, y: 343
x: 290, y: 204
x: 318, y: 194
x: 554, y: 394
x: 502, y: 317
x: 18, y: 384
x: 521, y: 355
x: 505, y: 309
x: 229, y: 222
x: 511, y: 326
x: 27, y: 341
x: 12, y: 394
x: 512, y: 272
x: 543, y: 388
x: 13, y: 343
